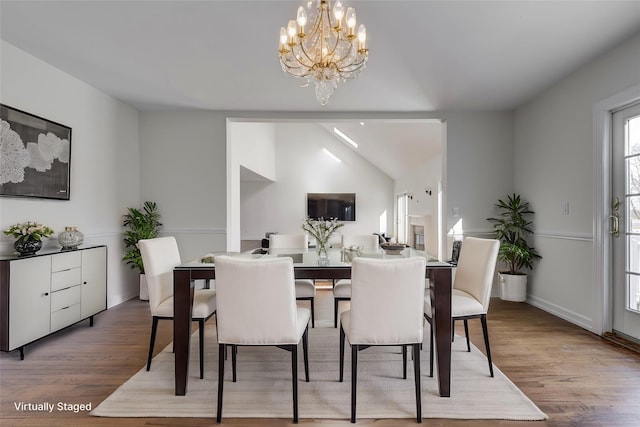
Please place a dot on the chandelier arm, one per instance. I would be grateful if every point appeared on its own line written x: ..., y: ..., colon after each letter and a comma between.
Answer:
x: 335, y: 46
x: 292, y: 69
x: 352, y: 68
x: 290, y: 64
x: 357, y: 61
x: 305, y: 55
x: 347, y: 54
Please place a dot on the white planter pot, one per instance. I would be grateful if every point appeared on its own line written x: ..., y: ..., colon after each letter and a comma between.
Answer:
x: 144, y: 292
x: 513, y: 287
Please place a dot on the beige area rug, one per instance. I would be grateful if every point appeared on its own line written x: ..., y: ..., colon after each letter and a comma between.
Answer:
x: 263, y: 389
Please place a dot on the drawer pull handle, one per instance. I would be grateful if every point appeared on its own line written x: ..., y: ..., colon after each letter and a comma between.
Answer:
x: 46, y: 294
x: 64, y: 308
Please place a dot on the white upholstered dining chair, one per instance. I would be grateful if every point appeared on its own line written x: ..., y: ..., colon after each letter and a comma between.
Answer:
x: 159, y: 257
x: 342, y: 288
x: 386, y: 309
x: 471, y: 292
x: 257, y: 307
x: 305, y: 288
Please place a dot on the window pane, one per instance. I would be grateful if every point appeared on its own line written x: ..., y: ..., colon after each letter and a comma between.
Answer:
x: 633, y: 175
x: 632, y: 145
x: 633, y: 214
x: 633, y: 283
x: 633, y: 253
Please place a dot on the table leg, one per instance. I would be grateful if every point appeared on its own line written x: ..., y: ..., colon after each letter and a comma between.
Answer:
x: 182, y: 308
x: 442, y: 324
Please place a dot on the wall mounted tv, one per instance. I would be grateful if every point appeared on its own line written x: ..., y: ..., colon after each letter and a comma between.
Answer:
x: 332, y: 205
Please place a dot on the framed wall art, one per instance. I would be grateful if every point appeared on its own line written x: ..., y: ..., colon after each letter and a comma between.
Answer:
x: 35, y: 156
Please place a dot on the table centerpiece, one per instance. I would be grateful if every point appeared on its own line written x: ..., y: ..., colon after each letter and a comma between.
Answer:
x: 321, y: 229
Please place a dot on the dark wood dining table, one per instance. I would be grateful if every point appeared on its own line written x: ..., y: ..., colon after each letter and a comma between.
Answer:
x: 307, y: 266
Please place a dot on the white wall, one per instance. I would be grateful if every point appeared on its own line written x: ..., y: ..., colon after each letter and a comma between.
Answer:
x: 477, y: 167
x: 183, y: 169
x: 254, y: 147
x: 251, y: 154
x: 104, y: 161
x: 554, y: 164
x: 302, y: 167
x: 479, y: 170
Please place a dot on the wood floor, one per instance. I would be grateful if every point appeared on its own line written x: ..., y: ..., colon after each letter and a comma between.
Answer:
x: 575, y: 377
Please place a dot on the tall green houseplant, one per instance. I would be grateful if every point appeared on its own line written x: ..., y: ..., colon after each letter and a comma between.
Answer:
x: 512, y: 228
x: 139, y: 224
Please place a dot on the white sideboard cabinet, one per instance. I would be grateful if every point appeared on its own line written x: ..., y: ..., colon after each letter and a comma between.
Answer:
x: 49, y: 291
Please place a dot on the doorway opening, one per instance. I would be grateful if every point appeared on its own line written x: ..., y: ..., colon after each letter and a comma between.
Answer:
x: 393, y: 156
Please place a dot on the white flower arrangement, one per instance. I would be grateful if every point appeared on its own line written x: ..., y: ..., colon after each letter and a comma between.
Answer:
x: 29, y: 231
x: 322, y: 230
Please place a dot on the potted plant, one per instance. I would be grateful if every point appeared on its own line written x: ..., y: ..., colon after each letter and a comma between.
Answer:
x: 140, y: 224
x: 512, y: 228
x: 28, y: 236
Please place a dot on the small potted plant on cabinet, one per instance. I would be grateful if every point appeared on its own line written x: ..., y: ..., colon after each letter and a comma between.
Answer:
x: 512, y: 228
x: 140, y: 224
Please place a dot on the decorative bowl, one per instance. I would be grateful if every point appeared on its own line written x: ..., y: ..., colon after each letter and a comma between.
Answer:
x: 393, y: 246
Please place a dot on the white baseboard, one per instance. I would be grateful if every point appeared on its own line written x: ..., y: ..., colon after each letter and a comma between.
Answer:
x: 561, y: 312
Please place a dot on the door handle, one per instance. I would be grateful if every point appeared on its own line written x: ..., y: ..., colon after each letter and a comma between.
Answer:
x: 615, y: 218
x: 615, y: 225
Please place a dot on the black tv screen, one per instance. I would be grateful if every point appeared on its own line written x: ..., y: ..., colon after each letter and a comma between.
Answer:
x: 341, y: 206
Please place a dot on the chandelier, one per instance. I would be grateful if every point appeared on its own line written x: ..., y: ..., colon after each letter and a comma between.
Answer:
x: 330, y: 52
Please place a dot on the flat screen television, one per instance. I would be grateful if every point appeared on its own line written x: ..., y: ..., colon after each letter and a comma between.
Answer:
x: 332, y: 205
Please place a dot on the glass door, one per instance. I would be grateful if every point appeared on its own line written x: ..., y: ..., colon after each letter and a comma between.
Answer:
x: 625, y: 222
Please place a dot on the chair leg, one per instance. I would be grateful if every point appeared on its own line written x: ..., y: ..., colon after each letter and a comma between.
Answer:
x: 430, y: 346
x: 201, y: 336
x: 154, y: 328
x: 485, y: 332
x: 404, y: 362
x: 234, y: 361
x: 305, y: 352
x: 418, y: 382
x: 466, y: 333
x: 222, y: 352
x: 335, y: 312
x: 354, y: 380
x: 313, y: 314
x: 341, y: 354
x: 294, y: 379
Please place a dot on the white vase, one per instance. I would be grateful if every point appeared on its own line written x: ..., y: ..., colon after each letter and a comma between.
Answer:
x: 513, y: 287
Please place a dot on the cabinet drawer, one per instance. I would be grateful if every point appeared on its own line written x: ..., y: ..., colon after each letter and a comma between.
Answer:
x: 66, y: 261
x: 65, y: 298
x: 65, y: 317
x: 65, y: 279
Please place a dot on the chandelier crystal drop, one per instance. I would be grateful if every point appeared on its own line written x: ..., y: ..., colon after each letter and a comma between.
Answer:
x: 323, y: 47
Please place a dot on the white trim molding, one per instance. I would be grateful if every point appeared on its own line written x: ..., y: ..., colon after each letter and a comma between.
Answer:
x: 198, y: 231
x: 564, y: 236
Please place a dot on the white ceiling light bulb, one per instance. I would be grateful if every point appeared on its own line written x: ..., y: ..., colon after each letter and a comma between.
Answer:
x: 302, y: 18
